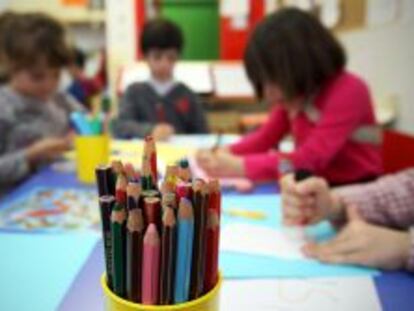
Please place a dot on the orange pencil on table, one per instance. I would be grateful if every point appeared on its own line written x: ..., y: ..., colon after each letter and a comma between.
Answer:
x: 151, y: 266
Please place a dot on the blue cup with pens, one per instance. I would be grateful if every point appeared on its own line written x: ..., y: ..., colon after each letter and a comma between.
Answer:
x: 91, y: 144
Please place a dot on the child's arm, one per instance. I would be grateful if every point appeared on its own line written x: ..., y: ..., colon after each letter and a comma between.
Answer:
x: 129, y: 122
x: 388, y: 201
x: 266, y: 137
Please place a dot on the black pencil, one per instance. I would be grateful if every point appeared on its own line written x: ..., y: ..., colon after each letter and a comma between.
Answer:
x: 106, y: 204
x: 134, y: 244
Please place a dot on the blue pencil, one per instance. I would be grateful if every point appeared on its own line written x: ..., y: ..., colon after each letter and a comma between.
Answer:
x: 81, y: 124
x: 185, y: 236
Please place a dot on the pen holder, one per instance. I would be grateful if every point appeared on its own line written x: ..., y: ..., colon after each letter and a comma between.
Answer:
x: 91, y: 151
x: 208, y: 302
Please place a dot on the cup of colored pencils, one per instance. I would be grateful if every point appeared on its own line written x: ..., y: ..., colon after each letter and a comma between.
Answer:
x: 160, y: 238
x: 91, y: 144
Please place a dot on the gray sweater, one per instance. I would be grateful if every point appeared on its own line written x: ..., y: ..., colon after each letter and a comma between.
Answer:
x: 23, y: 121
x: 141, y: 108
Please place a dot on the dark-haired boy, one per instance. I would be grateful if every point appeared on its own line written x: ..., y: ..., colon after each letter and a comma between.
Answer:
x: 160, y: 106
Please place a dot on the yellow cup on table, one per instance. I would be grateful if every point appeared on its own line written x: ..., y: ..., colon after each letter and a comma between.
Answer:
x: 91, y: 151
x: 208, y: 302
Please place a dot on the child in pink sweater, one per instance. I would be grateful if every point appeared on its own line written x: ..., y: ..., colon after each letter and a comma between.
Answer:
x: 299, y: 67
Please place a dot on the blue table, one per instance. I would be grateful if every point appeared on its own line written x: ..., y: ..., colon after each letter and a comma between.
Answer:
x: 395, y: 289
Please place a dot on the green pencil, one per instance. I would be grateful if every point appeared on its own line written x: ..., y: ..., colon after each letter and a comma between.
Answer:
x: 118, y: 235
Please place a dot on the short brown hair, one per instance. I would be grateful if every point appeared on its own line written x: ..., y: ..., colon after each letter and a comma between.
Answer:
x: 35, y: 38
x: 294, y: 50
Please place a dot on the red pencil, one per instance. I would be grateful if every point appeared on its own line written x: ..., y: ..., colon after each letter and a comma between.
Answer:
x: 215, y: 196
x: 152, y: 211
x: 121, y: 189
x: 212, y: 250
x: 150, y: 155
x: 150, y: 266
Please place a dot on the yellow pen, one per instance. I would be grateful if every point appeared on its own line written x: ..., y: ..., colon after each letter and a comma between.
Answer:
x: 236, y: 212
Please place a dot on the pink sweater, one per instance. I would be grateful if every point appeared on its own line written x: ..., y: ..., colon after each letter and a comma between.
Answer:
x: 324, y: 147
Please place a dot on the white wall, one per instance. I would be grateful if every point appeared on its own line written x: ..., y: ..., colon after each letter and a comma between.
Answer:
x: 384, y: 56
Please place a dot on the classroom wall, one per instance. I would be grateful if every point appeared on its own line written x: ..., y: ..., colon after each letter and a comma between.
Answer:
x: 384, y: 56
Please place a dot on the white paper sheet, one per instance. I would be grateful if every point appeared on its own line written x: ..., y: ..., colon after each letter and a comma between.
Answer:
x: 321, y: 294
x: 283, y: 243
x: 380, y: 12
x: 230, y: 80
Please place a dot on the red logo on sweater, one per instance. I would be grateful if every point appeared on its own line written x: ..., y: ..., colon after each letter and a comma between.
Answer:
x: 183, y: 106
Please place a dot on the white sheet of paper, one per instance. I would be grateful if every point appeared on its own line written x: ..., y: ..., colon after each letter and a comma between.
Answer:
x: 380, y: 12
x: 321, y: 294
x: 259, y: 240
x: 230, y: 80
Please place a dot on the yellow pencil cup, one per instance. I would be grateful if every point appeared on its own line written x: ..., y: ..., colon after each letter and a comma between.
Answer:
x: 91, y: 151
x: 208, y: 302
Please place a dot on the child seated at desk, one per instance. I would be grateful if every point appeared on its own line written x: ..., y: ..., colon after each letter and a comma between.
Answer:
x: 33, y: 116
x: 365, y: 210
x: 297, y: 65
x: 160, y: 106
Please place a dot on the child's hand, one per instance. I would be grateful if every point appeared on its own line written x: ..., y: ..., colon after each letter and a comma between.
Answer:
x: 48, y: 149
x: 220, y: 163
x: 363, y: 244
x: 308, y: 201
x: 162, y: 131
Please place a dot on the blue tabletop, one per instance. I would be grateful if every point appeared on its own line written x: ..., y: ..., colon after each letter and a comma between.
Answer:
x: 395, y: 289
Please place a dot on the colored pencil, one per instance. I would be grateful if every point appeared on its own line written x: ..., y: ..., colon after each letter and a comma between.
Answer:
x: 117, y: 167
x: 133, y: 194
x: 171, y: 174
x: 215, y: 195
x: 200, y: 199
x: 301, y: 175
x: 105, y: 180
x: 150, y: 266
x: 131, y: 173
x: 217, y: 144
x: 134, y: 249
x: 169, y: 199
x: 184, y: 190
x: 118, y: 222
x: 152, y: 211
x: 185, y: 236
x: 121, y: 189
x: 146, y: 178
x: 184, y: 172
x: 106, y: 204
x: 168, y: 247
x: 212, y: 244
x: 150, y: 159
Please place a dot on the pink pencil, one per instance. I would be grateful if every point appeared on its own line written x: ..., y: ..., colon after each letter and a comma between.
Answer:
x: 150, y: 266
